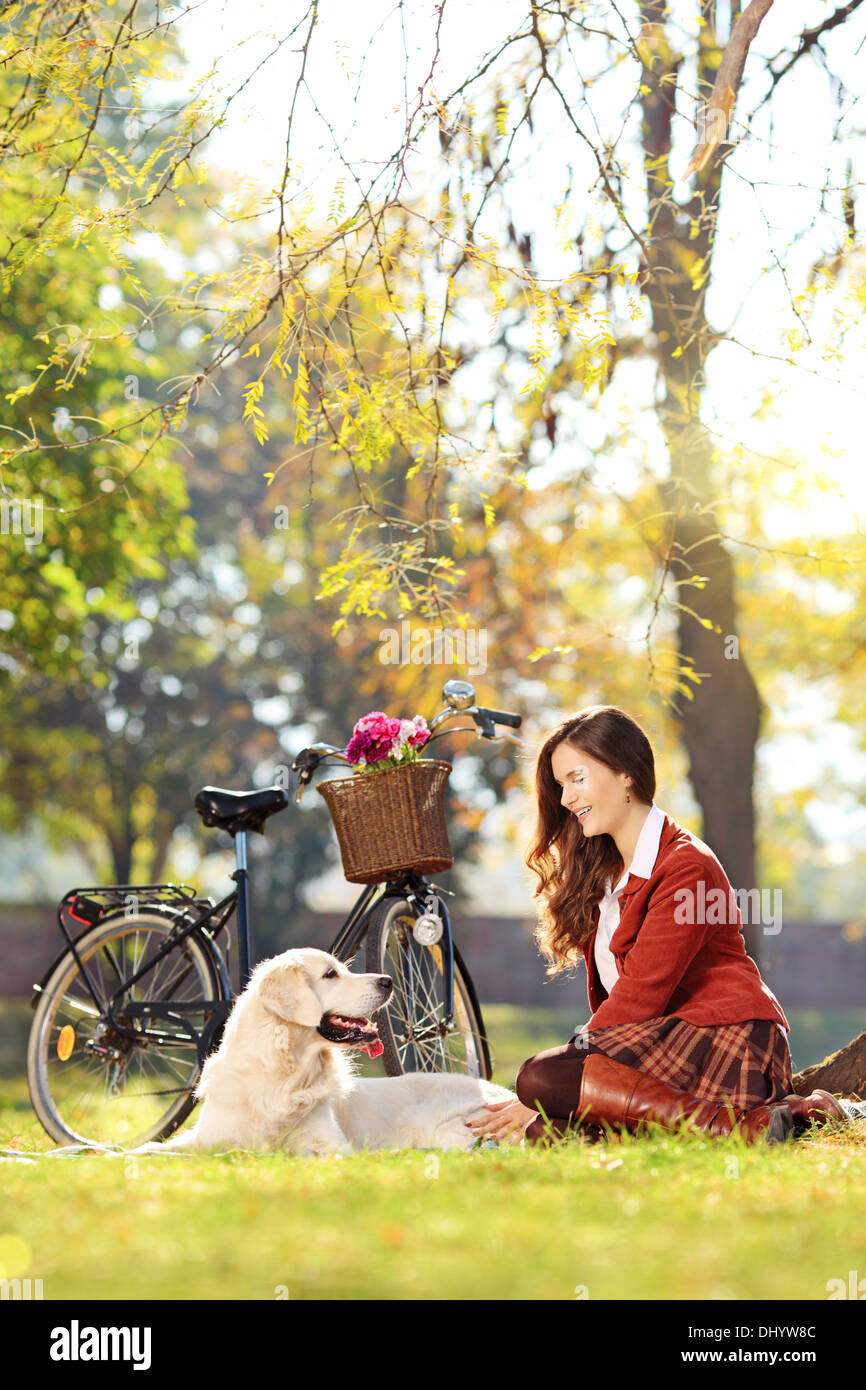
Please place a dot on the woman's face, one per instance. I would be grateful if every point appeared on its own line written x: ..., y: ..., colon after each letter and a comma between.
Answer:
x: 587, y: 783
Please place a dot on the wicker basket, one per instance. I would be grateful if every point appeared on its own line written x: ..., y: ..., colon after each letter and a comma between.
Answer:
x: 392, y: 821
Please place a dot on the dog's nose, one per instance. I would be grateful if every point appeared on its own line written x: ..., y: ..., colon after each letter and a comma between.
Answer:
x: 386, y: 982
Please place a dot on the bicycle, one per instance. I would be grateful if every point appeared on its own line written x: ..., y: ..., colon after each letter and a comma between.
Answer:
x: 128, y: 1012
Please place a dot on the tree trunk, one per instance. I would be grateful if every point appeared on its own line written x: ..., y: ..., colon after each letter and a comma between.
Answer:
x: 720, y: 716
x: 721, y: 721
x: 843, y: 1073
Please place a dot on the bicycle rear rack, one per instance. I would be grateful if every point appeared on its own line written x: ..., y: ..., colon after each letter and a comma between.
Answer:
x: 85, y: 907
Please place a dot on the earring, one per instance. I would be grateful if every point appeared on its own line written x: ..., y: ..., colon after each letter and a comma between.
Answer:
x: 627, y: 797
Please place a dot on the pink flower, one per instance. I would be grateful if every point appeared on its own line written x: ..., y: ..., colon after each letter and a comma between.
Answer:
x: 373, y: 738
x: 414, y: 732
x: 377, y: 737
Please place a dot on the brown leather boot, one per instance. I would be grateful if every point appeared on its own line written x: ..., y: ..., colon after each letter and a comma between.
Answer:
x: 613, y: 1093
x: 816, y: 1108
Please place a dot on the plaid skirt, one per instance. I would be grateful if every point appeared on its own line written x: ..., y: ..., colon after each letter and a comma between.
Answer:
x: 747, y: 1063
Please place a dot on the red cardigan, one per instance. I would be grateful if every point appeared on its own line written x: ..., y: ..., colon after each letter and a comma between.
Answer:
x: 698, y: 970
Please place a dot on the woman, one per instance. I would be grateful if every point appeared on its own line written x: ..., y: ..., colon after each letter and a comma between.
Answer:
x: 682, y: 1025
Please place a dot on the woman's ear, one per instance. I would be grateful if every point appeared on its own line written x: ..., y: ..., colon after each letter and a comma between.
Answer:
x: 286, y: 991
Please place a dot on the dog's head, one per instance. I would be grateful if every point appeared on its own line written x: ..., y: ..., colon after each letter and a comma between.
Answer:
x: 312, y: 989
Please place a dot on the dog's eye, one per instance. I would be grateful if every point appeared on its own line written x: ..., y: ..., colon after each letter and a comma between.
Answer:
x: 329, y: 974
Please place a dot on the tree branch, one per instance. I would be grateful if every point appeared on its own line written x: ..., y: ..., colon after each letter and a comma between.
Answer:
x: 727, y: 84
x: 810, y: 37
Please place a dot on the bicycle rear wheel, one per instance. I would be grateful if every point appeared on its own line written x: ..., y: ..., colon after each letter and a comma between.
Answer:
x: 89, y: 1084
x: 412, y: 1026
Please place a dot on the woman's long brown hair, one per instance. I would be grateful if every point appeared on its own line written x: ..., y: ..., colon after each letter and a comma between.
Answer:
x: 572, y: 867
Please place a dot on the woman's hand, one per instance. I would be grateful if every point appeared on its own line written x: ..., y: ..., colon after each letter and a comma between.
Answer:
x: 509, y: 1121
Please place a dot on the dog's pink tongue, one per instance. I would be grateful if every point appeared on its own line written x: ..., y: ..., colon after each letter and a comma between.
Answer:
x: 375, y: 1048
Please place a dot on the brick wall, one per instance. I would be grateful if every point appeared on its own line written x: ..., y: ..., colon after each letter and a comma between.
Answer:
x: 808, y: 965
x: 29, y: 940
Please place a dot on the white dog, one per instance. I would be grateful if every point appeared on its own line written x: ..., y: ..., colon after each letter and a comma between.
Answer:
x: 283, y: 1078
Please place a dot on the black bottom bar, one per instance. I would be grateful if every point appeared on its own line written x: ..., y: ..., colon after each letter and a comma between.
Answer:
x: 651, y: 1337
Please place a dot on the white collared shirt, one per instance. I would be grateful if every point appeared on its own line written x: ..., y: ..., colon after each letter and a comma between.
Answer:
x: 645, y: 854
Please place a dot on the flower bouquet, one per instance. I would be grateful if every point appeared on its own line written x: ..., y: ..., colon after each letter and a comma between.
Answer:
x: 394, y: 822
x: 379, y: 742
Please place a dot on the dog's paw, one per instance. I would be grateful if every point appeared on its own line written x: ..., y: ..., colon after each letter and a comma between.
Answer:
x: 344, y: 1151
x: 321, y: 1151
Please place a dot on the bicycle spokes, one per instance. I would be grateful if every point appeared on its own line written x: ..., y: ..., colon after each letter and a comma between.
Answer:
x: 117, y: 1072
x: 425, y: 1041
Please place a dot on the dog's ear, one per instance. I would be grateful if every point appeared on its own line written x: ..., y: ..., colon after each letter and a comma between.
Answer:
x: 286, y: 991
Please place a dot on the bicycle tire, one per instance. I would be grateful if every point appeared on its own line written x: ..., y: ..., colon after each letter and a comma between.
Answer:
x: 390, y: 945
x: 44, y: 1080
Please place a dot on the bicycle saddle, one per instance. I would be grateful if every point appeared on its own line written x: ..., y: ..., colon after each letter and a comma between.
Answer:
x: 234, y: 811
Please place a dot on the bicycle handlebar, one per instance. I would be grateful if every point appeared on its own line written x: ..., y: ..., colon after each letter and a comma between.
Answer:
x: 502, y: 716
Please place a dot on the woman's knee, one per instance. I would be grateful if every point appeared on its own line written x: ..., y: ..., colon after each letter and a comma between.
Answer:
x: 540, y: 1080
x: 526, y: 1083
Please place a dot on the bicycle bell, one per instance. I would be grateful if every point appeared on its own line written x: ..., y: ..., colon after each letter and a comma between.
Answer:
x: 458, y: 694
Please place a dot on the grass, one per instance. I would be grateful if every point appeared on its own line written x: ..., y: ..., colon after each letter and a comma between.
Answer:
x: 665, y: 1216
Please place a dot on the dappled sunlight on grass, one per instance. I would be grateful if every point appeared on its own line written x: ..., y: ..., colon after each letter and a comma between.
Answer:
x: 663, y: 1216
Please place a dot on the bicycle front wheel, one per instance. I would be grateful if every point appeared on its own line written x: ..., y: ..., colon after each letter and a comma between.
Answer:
x: 412, y: 1027
x: 89, y: 1084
